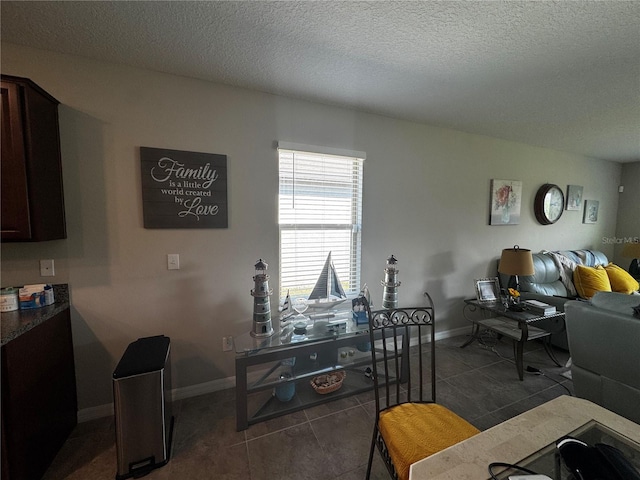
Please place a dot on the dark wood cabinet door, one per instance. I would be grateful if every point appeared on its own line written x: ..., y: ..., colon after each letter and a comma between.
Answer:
x: 32, y: 195
x: 39, y: 405
x: 15, y: 201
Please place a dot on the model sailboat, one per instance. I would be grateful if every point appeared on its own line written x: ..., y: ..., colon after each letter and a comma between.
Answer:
x: 328, y: 291
x: 286, y: 310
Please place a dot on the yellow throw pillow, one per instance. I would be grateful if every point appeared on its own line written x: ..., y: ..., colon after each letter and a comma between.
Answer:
x: 589, y: 280
x: 621, y: 281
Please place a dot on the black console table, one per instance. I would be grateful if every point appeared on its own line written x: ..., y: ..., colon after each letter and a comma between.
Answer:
x: 517, y: 326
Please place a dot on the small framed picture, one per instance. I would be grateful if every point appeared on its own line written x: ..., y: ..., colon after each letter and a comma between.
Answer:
x: 488, y: 290
x: 590, y: 214
x: 574, y: 197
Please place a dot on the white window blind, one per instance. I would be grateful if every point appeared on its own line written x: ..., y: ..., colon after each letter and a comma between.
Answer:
x: 320, y: 211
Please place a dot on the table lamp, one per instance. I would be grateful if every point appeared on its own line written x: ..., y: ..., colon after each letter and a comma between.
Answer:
x: 516, y: 261
x: 632, y: 250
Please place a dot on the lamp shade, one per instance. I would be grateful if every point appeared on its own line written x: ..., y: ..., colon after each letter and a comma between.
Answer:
x: 516, y: 261
x: 631, y: 250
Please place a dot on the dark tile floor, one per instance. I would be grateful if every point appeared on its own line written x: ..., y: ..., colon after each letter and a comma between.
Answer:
x: 330, y: 441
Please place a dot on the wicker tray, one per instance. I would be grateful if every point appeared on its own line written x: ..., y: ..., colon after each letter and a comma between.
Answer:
x: 329, y: 382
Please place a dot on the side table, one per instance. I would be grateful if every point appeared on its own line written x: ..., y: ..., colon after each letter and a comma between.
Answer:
x: 514, y: 325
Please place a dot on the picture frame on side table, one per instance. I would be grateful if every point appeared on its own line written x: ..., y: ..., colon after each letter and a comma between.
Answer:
x: 487, y: 290
x: 590, y: 214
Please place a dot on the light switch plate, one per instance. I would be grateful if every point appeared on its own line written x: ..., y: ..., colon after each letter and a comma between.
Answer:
x: 173, y: 261
x: 47, y: 268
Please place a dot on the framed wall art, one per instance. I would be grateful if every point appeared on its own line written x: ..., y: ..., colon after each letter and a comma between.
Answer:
x: 183, y: 189
x: 590, y: 214
x: 506, y: 198
x: 574, y: 197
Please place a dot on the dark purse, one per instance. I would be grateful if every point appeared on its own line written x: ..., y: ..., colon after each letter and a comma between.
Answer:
x: 598, y: 462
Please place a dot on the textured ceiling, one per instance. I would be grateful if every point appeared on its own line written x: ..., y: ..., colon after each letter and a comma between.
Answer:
x: 558, y: 74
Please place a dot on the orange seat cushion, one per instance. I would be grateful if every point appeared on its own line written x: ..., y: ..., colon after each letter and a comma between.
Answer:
x: 413, y: 431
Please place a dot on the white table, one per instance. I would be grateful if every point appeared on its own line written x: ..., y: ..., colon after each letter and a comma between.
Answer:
x: 517, y: 438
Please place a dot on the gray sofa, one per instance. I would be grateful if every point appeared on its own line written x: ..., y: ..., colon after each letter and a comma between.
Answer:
x: 604, y: 342
x: 546, y: 285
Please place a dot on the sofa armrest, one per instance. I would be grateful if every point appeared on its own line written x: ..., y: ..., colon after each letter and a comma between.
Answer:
x: 604, y: 342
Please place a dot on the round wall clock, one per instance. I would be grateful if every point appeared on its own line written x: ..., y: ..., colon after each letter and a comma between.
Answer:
x: 548, y: 204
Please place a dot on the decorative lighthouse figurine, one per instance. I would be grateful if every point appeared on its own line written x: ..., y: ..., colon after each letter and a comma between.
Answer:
x: 390, y: 284
x: 261, y: 305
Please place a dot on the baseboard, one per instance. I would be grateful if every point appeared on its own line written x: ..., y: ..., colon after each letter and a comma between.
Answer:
x: 203, y: 388
x: 93, y: 413
x: 101, y: 411
x: 452, y: 333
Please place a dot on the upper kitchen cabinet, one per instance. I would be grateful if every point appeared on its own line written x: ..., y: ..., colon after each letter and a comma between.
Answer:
x: 32, y: 196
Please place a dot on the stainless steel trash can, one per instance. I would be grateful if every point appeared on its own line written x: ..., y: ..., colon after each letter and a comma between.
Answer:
x: 142, y: 406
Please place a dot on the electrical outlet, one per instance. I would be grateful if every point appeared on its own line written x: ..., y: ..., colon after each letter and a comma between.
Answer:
x: 173, y: 261
x: 47, y: 268
x: 227, y: 344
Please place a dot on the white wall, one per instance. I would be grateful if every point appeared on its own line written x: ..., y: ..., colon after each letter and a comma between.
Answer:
x: 426, y: 200
x: 628, y: 224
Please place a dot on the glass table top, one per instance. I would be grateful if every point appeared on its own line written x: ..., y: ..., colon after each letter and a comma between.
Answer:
x: 499, y: 309
x: 319, y: 326
x: 547, y: 461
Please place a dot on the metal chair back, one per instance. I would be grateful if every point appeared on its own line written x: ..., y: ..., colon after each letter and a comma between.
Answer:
x: 403, y: 354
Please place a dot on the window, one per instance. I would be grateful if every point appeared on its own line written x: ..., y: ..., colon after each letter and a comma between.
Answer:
x: 320, y: 211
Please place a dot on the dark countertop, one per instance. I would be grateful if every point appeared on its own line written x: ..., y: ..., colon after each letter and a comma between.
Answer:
x: 16, y: 323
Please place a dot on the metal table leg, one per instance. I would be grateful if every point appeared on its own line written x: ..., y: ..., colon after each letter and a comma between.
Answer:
x: 546, y: 342
x: 242, y: 423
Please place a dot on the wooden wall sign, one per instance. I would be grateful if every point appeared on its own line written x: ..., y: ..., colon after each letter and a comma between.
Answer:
x: 183, y: 189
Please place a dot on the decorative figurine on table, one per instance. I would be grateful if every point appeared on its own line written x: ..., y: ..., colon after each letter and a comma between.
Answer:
x: 286, y: 310
x: 364, y: 292
x: 358, y: 308
x: 390, y: 284
x: 514, y: 301
x: 327, y: 292
x: 261, y: 305
x: 360, y: 315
